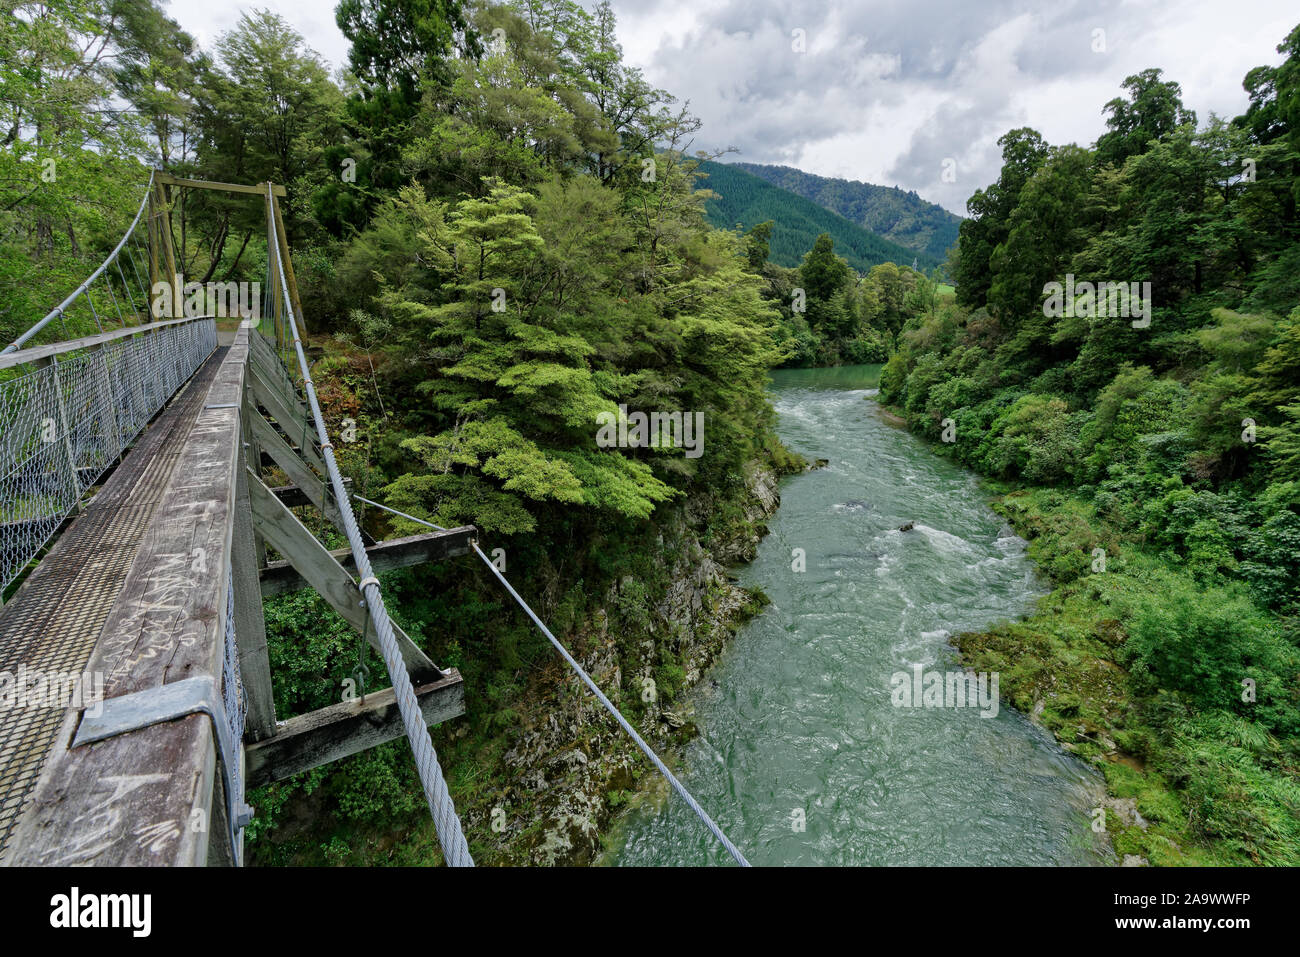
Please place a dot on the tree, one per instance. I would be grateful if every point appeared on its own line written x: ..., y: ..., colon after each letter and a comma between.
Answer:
x: 884, y: 296
x: 69, y: 177
x: 155, y: 69
x: 759, y: 247
x: 1043, y: 231
x: 823, y: 273
x: 824, y: 277
x: 514, y: 385
x: 399, y: 49
x: 1153, y: 110
x: 1023, y: 152
x: 266, y: 111
x: 1273, y: 124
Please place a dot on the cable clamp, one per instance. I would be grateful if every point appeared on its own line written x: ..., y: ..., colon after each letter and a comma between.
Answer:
x: 372, y: 580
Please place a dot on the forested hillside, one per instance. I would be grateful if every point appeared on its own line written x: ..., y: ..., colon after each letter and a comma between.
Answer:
x: 1150, y: 445
x: 897, y: 215
x: 746, y: 200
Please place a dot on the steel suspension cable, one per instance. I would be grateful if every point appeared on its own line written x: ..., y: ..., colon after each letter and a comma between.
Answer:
x: 441, y: 806
x: 677, y: 785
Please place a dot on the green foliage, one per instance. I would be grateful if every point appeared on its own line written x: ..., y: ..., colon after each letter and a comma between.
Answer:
x: 1153, y: 110
x: 70, y: 172
x: 1036, y: 438
x: 1159, y: 464
x: 1203, y: 643
x: 268, y: 109
x: 1023, y: 151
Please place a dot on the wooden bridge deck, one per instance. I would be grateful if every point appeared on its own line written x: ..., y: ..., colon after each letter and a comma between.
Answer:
x: 55, y: 619
x: 155, y: 590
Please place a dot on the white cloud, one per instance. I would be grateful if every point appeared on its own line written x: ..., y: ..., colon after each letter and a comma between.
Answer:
x: 887, y: 90
x: 960, y: 75
x: 206, y: 20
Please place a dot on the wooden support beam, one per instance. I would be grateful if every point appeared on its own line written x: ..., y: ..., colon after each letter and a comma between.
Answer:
x: 311, y: 485
x: 288, y: 267
x: 288, y: 536
x: 276, y: 404
x: 175, y: 282
x: 334, y: 732
x: 250, y: 628
x: 154, y: 239
x: 280, y: 577
x: 168, y: 179
x: 294, y: 497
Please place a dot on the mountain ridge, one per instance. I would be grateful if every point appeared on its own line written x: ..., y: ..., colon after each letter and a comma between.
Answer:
x: 746, y: 199
x: 900, y: 216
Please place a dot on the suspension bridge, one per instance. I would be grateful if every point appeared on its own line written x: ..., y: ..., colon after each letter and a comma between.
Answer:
x: 139, y: 535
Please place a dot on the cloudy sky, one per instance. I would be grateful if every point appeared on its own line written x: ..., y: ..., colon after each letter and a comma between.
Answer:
x: 898, y: 92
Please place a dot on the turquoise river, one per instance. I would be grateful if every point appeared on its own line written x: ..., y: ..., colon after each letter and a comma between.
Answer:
x: 804, y: 754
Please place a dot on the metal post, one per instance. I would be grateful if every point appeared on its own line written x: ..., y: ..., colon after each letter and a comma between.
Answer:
x: 67, y: 434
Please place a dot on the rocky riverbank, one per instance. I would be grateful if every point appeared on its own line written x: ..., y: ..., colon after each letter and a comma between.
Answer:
x: 571, y: 767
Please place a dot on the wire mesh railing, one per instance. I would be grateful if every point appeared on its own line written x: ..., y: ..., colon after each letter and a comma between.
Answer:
x: 64, y: 422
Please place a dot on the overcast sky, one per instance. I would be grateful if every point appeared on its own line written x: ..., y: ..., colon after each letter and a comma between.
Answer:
x: 886, y: 92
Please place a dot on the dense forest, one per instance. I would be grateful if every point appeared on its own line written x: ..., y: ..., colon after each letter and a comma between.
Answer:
x: 496, y: 238
x: 831, y: 314
x: 501, y: 230
x: 1152, y: 454
x: 899, y: 216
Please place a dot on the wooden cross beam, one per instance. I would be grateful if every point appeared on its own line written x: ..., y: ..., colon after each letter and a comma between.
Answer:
x: 295, y: 497
x: 288, y: 536
x: 287, y: 459
x: 325, y: 735
x: 167, y: 179
x: 283, y: 411
x: 280, y: 577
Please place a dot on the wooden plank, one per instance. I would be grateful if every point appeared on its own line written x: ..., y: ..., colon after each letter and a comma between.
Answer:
x: 253, y: 456
x: 311, y: 485
x: 145, y: 797
x: 274, y: 402
x: 250, y: 627
x: 280, y: 577
x: 263, y: 354
x: 260, y: 190
x: 272, y: 369
x: 294, y: 497
x: 288, y: 536
x: 334, y: 732
x: 269, y: 364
